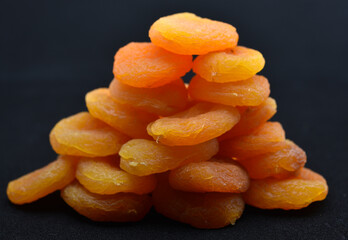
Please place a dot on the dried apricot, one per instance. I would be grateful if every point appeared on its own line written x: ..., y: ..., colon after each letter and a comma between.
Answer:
x: 252, y: 118
x: 188, y: 34
x: 238, y: 64
x: 201, y: 210
x: 270, y: 137
x: 144, y: 157
x: 124, y: 118
x: 200, y: 123
x: 103, y: 176
x: 210, y: 176
x: 43, y: 181
x: 146, y: 65
x: 83, y: 135
x: 163, y: 101
x: 120, y: 207
x: 291, y: 193
x: 281, y: 164
x: 250, y: 92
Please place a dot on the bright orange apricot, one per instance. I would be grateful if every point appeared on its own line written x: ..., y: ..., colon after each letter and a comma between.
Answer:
x: 43, y: 181
x: 250, y: 92
x: 188, y: 34
x: 124, y: 118
x: 199, y: 123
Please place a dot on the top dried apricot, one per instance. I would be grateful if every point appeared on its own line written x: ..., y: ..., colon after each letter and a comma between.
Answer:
x: 188, y: 34
x: 146, y: 65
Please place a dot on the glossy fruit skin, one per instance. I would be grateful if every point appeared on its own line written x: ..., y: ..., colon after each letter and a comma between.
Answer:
x: 270, y: 137
x: 200, y: 210
x: 188, y: 34
x: 199, y: 123
x: 145, y: 65
x: 83, y: 135
x: 43, y: 181
x: 144, y: 157
x: 281, y: 164
x: 131, y: 122
x: 251, y: 119
x: 162, y: 101
x: 121, y: 207
x: 238, y: 64
x: 292, y: 193
x: 103, y: 175
x: 250, y: 92
x: 210, y: 176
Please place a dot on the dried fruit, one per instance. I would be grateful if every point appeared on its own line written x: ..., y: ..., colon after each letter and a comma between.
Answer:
x: 252, y: 118
x: 270, y: 137
x: 281, y: 164
x: 250, y: 92
x: 188, y: 34
x: 201, y: 210
x: 43, y: 181
x: 199, y: 123
x: 146, y: 65
x: 291, y: 193
x: 238, y: 64
x: 163, y: 101
x: 210, y: 176
x: 120, y: 207
x: 144, y: 157
x: 83, y: 135
x: 124, y: 118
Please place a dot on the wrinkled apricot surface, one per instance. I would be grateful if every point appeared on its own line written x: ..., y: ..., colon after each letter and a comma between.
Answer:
x: 270, y: 137
x: 120, y: 207
x: 291, y: 193
x: 146, y: 65
x: 281, y: 164
x: 250, y: 92
x: 163, y: 101
x: 199, y: 123
x: 252, y: 118
x: 238, y: 64
x: 210, y: 176
x: 144, y: 157
x: 84, y: 135
x: 103, y: 176
x: 123, y: 118
x: 201, y: 210
x: 43, y: 181
x: 188, y: 34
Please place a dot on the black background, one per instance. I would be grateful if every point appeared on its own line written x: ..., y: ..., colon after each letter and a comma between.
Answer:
x: 53, y: 52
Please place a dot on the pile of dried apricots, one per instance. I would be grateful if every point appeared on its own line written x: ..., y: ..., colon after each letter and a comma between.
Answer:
x: 196, y: 152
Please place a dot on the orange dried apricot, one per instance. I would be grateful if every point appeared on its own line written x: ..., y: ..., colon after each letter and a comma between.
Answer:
x: 281, y: 164
x: 291, y: 193
x: 252, y: 118
x: 83, y: 135
x: 188, y: 34
x: 163, y: 101
x: 146, y: 65
x: 210, y: 176
x: 123, y: 118
x: 199, y: 123
x: 238, y: 64
x: 270, y: 137
x: 200, y: 210
x: 250, y: 92
x: 43, y: 181
x: 102, y: 175
x: 120, y: 207
x: 144, y: 157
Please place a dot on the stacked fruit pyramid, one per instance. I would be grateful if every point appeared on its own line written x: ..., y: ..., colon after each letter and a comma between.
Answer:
x: 195, y: 152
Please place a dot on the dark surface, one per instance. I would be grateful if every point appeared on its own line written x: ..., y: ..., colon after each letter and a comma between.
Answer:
x: 51, y: 54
